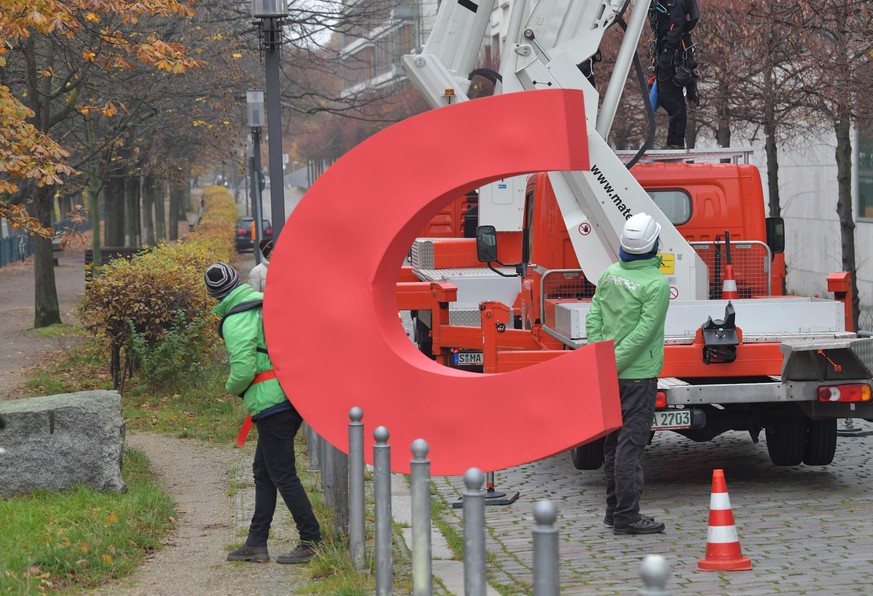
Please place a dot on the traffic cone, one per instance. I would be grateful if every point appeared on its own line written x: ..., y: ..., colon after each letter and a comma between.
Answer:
x: 723, y: 551
x: 729, y: 285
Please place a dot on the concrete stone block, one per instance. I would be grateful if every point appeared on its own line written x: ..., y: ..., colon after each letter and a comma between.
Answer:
x: 59, y: 441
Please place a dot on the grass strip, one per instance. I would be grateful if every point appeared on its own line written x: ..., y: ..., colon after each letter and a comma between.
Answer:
x: 82, y: 538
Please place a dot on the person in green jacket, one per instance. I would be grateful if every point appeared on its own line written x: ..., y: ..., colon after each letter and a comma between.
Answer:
x: 629, y: 307
x: 252, y: 378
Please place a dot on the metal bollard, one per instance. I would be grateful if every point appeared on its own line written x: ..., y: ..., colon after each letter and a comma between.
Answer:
x: 419, y: 469
x: 327, y: 472
x: 655, y: 570
x: 357, y: 546
x: 313, y: 445
x: 545, y: 550
x: 475, y: 583
x: 340, y: 492
x: 382, y: 498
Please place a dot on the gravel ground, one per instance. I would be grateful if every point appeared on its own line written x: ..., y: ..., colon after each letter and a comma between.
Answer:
x: 212, y: 517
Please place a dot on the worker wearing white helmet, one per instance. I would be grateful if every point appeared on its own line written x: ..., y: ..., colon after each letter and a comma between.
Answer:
x: 629, y: 308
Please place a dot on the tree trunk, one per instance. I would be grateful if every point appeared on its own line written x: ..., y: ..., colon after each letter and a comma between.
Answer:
x: 47, y: 311
x: 844, y: 204
x: 114, y: 210
x: 186, y: 189
x: 45, y: 304
x: 148, y: 200
x: 772, y: 168
x: 160, y: 212
x: 131, y: 211
x: 723, y: 130
x: 175, y: 202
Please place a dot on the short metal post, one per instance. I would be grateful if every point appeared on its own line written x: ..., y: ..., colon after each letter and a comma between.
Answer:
x: 475, y: 582
x: 327, y: 472
x: 545, y: 550
x: 341, y: 492
x: 382, y: 498
x: 356, y: 487
x: 655, y: 570
x: 419, y: 469
x: 313, y: 443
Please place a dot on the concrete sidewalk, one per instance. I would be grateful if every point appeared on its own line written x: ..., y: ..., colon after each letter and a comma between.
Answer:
x: 22, y: 347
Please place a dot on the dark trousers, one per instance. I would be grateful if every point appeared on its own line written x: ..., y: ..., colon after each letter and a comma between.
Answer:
x: 673, y: 99
x: 623, y: 450
x: 275, y: 469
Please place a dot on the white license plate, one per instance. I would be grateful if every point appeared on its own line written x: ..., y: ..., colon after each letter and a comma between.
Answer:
x: 670, y: 419
x: 468, y: 358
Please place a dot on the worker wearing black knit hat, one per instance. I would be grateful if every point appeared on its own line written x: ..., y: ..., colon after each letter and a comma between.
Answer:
x: 221, y: 279
x: 252, y: 377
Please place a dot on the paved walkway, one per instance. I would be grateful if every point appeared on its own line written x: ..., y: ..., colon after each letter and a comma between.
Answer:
x: 22, y: 347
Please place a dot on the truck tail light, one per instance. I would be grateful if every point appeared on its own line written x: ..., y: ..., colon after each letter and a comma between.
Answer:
x: 240, y: 232
x: 660, y: 400
x: 844, y: 393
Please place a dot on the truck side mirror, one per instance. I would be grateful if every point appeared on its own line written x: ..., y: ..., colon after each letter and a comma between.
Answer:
x: 486, y: 244
x: 776, y: 234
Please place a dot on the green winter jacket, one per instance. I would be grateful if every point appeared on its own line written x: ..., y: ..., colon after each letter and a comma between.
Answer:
x: 244, y: 339
x: 629, y: 307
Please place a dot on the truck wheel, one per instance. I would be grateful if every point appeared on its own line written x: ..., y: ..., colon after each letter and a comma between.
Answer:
x: 786, y: 440
x: 821, y: 442
x: 588, y: 456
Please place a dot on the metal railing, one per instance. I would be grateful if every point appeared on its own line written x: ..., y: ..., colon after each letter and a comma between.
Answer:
x: 15, y: 248
x: 751, y: 261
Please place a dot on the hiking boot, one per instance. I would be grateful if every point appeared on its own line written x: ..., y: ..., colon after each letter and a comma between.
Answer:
x: 674, y: 147
x: 302, y: 554
x: 254, y: 554
x: 607, y: 520
x: 644, y: 525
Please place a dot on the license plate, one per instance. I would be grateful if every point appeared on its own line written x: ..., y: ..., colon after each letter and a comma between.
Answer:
x: 670, y: 419
x: 468, y: 358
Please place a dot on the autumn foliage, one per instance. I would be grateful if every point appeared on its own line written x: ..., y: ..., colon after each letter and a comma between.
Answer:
x: 104, y: 32
x: 156, y: 292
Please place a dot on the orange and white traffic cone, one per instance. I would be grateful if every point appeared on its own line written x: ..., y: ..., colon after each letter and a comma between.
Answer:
x: 723, y: 551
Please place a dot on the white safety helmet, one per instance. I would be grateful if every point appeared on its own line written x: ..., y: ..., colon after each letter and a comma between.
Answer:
x: 640, y: 234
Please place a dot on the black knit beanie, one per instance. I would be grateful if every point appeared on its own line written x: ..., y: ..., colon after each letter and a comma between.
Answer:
x: 221, y: 279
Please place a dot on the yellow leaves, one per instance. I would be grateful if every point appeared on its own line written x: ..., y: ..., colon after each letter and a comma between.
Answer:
x: 92, y: 17
x: 37, y: 19
x: 83, y: 547
x: 236, y: 55
x: 88, y: 55
x: 196, y: 123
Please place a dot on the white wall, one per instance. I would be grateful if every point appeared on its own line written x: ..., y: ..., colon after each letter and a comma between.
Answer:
x: 808, y: 192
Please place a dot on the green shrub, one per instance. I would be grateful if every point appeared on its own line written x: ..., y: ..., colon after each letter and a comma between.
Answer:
x: 177, y: 360
x: 160, y: 292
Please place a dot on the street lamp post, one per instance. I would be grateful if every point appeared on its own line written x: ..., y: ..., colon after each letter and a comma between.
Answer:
x: 255, y: 101
x: 271, y: 13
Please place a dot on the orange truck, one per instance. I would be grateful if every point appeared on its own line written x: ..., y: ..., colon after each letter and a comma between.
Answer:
x: 739, y: 355
x: 786, y: 365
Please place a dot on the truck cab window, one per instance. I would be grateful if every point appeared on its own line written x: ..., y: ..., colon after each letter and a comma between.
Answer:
x: 676, y: 204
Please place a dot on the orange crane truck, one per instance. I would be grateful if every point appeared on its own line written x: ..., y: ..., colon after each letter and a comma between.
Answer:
x: 739, y: 355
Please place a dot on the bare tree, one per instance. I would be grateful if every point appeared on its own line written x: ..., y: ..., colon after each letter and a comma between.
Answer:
x: 840, y: 78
